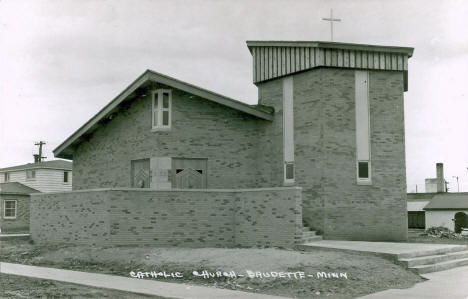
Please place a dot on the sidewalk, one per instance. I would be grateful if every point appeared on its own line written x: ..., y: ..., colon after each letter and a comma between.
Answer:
x: 441, y: 285
x: 149, y: 287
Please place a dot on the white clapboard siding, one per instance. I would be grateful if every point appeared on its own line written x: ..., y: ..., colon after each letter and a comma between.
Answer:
x: 46, y: 180
x: 274, y: 62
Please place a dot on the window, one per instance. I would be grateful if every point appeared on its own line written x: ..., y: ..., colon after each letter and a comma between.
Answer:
x: 363, y: 141
x: 65, y: 176
x: 288, y: 130
x: 161, y: 117
x: 289, y: 172
x: 9, y: 209
x: 7, y: 177
x: 363, y: 170
x: 30, y: 174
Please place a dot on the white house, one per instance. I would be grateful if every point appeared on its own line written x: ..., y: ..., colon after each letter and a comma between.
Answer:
x: 449, y: 210
x: 48, y: 176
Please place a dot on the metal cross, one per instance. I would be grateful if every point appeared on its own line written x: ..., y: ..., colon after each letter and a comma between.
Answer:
x: 331, y: 20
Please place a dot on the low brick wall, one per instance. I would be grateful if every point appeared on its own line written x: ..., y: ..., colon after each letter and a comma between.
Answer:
x: 188, y: 218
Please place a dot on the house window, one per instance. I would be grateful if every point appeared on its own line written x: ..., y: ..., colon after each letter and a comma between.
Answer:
x: 9, y: 209
x: 7, y: 177
x: 161, y: 117
x: 65, y: 176
x: 30, y: 174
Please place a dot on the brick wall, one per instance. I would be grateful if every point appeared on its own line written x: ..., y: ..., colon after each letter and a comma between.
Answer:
x: 21, y: 223
x: 325, y: 153
x: 189, y: 218
x: 200, y: 129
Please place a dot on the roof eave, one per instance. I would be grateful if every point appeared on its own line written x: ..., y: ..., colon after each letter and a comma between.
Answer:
x: 331, y: 45
x: 64, y: 151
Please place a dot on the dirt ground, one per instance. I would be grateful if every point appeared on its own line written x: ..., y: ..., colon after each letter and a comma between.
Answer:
x: 364, y: 274
x: 12, y: 286
x: 418, y: 236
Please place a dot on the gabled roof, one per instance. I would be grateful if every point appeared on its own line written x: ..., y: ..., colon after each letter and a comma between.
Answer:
x: 449, y: 201
x: 53, y: 164
x: 65, y: 151
x: 16, y: 188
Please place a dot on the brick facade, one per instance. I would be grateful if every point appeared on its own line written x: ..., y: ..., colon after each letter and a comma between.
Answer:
x: 189, y: 218
x: 246, y: 150
x: 325, y: 153
x: 21, y: 223
x: 200, y: 129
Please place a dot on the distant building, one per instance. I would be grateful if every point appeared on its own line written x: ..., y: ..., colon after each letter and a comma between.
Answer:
x: 14, y: 207
x: 436, y: 184
x: 449, y: 210
x: 437, y: 207
x: 48, y: 176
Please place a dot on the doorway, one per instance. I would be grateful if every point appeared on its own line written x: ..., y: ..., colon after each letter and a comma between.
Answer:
x: 140, y: 173
x: 461, y: 221
x: 189, y: 173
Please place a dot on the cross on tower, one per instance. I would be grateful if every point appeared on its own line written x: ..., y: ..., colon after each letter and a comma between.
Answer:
x: 331, y: 20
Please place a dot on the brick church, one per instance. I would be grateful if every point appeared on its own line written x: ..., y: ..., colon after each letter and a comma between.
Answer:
x: 329, y: 119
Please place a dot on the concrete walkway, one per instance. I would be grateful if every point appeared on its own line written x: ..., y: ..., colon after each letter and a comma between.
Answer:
x: 451, y: 284
x: 135, y: 285
x: 393, y: 249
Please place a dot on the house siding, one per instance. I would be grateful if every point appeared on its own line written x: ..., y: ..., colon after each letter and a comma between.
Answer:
x: 199, y: 129
x: 46, y: 180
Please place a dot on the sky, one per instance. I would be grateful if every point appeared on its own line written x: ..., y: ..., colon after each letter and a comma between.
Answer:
x: 62, y: 61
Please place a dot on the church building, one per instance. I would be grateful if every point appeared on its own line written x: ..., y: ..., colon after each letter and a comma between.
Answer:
x: 329, y: 119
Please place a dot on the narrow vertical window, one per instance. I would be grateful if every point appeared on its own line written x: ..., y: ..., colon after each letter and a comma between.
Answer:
x: 288, y: 130
x: 65, y: 176
x: 161, y: 112
x: 9, y: 209
x: 363, y: 153
x: 6, y: 177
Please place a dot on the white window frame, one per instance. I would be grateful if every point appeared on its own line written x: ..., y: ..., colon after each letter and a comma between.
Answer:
x: 67, y: 173
x: 4, y: 209
x: 31, y: 177
x: 157, y: 95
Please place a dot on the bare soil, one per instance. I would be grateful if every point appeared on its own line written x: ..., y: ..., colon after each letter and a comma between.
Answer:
x: 12, y: 286
x: 365, y: 273
x: 418, y: 236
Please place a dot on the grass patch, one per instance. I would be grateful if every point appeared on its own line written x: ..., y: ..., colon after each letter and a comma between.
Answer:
x: 365, y: 274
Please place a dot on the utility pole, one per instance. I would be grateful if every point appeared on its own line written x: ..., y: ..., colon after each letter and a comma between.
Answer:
x: 38, y: 157
x: 458, y: 185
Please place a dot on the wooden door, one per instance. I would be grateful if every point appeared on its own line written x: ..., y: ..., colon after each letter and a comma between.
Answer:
x: 140, y: 173
x: 189, y: 173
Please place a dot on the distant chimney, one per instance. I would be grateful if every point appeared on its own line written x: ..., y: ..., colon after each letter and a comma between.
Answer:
x: 440, y: 177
